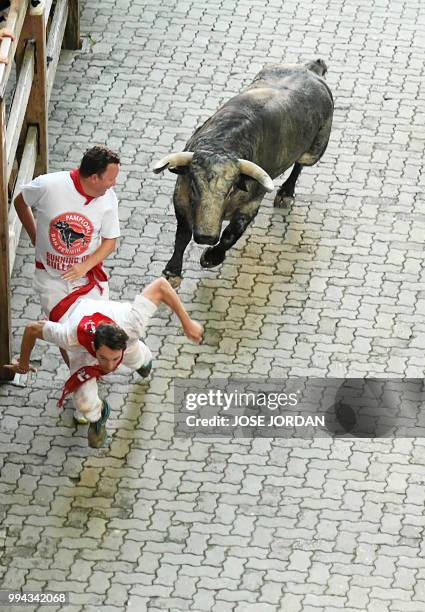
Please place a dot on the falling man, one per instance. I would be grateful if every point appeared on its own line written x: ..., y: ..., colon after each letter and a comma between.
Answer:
x: 98, y: 336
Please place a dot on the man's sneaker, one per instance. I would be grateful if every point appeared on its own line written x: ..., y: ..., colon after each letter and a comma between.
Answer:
x: 97, y: 431
x: 145, y: 370
x: 80, y: 419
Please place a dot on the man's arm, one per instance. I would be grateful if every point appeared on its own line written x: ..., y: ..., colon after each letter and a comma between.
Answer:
x: 161, y: 291
x: 26, y: 217
x: 33, y: 332
x: 79, y: 270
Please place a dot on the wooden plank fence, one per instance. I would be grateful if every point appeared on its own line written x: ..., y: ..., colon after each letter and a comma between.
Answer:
x: 40, y: 33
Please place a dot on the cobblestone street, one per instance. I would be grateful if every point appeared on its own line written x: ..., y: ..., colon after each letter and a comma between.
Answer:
x: 331, y: 287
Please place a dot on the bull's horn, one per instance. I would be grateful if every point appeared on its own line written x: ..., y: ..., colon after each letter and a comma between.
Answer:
x: 173, y: 159
x: 257, y: 173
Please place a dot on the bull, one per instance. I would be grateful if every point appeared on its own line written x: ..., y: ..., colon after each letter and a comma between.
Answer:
x: 69, y: 235
x: 282, y: 119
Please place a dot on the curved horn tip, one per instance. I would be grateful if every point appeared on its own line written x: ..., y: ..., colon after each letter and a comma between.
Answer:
x: 257, y: 173
x: 268, y: 185
x: 160, y: 165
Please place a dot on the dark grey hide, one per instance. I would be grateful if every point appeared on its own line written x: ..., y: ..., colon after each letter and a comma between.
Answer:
x: 282, y: 119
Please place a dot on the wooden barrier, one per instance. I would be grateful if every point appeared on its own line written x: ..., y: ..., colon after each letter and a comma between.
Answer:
x: 24, y: 137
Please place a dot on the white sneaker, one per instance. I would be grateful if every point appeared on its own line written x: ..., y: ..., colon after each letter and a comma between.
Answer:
x: 79, y: 418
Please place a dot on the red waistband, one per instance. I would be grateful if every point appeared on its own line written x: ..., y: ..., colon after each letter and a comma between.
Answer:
x: 94, y: 277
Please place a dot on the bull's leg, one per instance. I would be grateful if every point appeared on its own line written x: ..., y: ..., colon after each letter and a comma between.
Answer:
x: 173, y: 269
x: 319, y: 145
x: 213, y: 256
x: 285, y: 194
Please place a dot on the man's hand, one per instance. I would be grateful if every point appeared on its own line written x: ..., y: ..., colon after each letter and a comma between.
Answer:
x: 5, y: 34
x: 194, y: 331
x: 20, y: 368
x: 75, y: 272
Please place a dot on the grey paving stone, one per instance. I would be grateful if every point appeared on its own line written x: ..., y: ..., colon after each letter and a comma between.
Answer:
x: 331, y: 287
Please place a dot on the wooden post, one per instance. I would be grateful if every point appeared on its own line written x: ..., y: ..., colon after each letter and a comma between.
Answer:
x: 5, y: 324
x: 37, y: 109
x: 54, y: 42
x: 19, y: 105
x: 72, y: 38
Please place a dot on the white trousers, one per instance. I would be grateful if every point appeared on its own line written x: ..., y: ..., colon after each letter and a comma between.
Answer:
x: 53, y: 289
x: 86, y: 398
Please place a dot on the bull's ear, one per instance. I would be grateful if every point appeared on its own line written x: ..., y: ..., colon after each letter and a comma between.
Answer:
x: 179, y: 169
x: 242, y: 182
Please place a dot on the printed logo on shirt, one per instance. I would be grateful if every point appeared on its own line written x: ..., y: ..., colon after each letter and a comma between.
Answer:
x: 70, y: 233
x: 82, y: 375
x: 89, y: 327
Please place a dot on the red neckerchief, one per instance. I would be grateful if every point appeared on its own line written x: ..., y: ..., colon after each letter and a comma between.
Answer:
x: 85, y: 333
x: 94, y: 276
x: 86, y: 330
x: 75, y: 175
x: 79, y: 377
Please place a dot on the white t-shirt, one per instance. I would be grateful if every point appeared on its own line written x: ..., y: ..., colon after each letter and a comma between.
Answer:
x: 68, y: 229
x: 132, y: 317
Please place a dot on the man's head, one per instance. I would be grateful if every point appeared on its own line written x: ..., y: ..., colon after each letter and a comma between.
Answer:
x: 109, y: 342
x: 99, y: 169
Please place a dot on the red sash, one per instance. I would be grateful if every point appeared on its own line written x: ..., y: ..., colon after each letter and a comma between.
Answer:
x: 94, y: 276
x: 85, y: 333
x: 75, y: 176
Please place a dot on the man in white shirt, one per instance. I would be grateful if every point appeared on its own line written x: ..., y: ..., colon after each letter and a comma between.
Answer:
x: 98, y: 337
x: 77, y: 228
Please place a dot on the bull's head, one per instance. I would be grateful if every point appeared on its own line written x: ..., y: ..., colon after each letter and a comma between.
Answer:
x: 213, y: 180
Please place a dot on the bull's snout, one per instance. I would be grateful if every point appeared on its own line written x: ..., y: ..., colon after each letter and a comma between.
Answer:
x: 205, y: 238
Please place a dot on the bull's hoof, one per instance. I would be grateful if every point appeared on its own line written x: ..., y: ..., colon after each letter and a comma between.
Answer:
x: 283, y: 201
x: 211, y: 257
x: 175, y: 281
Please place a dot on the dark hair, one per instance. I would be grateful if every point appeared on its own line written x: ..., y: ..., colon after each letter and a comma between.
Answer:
x: 111, y: 336
x: 96, y: 160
